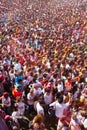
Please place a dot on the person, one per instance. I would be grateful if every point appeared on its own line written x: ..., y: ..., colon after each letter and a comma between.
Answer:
x: 48, y: 98
x: 54, y: 42
x: 85, y: 123
x: 38, y: 106
x: 7, y: 84
x: 59, y: 85
x: 16, y: 91
x: 74, y: 124
x: 20, y: 105
x: 59, y: 107
x: 14, y: 116
x: 6, y: 103
x: 30, y: 100
x: 1, y: 84
x: 37, y: 90
x: 37, y: 123
x: 68, y: 84
x: 65, y: 119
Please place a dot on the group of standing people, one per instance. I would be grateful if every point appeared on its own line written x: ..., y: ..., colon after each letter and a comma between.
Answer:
x: 43, y: 66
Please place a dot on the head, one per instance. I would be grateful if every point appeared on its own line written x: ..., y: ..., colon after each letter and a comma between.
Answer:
x: 38, y: 119
x: 35, y: 86
x: 69, y: 78
x: 60, y: 99
x: 47, y: 90
x: 6, y: 94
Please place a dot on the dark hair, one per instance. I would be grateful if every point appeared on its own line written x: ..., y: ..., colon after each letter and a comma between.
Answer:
x: 47, y: 90
x: 41, y: 102
x: 60, y: 99
x: 58, y: 95
x: 6, y: 94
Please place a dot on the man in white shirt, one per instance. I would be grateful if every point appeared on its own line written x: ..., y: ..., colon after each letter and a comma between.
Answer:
x: 30, y: 100
x: 37, y: 90
x: 59, y: 107
x: 21, y: 106
x: 39, y: 107
x: 48, y: 98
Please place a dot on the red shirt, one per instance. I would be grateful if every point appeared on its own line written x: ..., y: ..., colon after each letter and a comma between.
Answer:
x: 17, y: 93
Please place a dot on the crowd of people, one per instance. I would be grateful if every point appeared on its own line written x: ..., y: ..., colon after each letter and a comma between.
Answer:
x: 43, y: 65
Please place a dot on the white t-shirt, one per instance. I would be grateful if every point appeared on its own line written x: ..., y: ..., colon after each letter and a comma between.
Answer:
x: 21, y: 107
x: 59, y: 108
x: 48, y: 98
x: 14, y: 115
x: 39, y: 109
x: 85, y: 123
x: 30, y: 99
x: 37, y: 92
x: 17, y: 66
